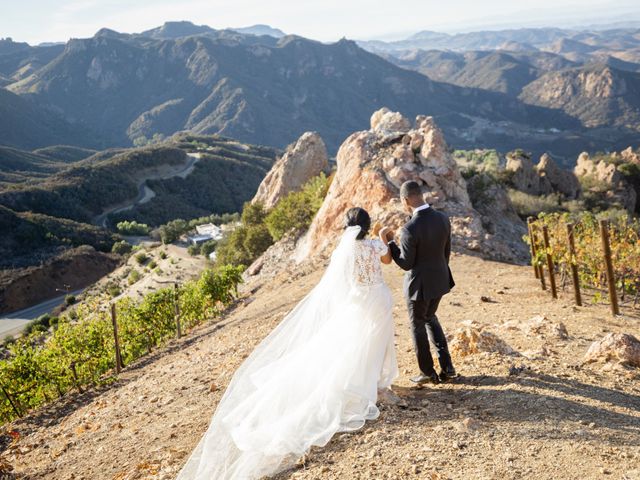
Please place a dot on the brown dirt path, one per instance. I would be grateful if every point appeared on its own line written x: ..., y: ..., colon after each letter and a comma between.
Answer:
x: 553, y: 419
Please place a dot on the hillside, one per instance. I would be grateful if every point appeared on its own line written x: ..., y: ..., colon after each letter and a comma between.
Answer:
x: 579, y: 44
x: 538, y: 414
x: 504, y: 71
x: 598, y: 95
x: 253, y: 88
x: 24, y: 124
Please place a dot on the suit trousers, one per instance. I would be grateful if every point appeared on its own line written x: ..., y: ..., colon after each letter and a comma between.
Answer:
x: 426, y: 330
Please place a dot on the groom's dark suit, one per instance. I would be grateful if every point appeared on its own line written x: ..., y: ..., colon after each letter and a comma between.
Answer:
x: 424, y: 250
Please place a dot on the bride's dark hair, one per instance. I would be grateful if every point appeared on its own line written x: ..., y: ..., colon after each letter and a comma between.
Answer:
x: 358, y: 217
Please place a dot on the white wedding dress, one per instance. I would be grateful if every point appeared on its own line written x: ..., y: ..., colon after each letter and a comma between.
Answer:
x: 316, y: 374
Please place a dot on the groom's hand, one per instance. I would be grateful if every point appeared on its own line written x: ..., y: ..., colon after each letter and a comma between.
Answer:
x: 386, y: 234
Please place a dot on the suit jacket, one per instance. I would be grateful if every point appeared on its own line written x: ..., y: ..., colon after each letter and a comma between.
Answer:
x: 424, y: 251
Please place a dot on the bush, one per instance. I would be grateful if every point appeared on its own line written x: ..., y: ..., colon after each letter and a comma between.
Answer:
x: 141, y: 258
x: 121, y: 248
x: 132, y: 228
x: 170, y: 232
x: 152, y: 264
x: 253, y: 214
x: 113, y: 289
x: 134, y: 276
x: 163, y: 254
x: 208, y: 247
x: 70, y: 299
x: 527, y: 205
x: 193, y: 250
x: 295, y: 211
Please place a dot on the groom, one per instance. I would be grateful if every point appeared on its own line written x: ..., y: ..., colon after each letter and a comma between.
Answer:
x: 424, y: 250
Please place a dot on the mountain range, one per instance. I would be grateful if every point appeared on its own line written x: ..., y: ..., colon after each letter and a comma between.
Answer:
x: 538, y: 89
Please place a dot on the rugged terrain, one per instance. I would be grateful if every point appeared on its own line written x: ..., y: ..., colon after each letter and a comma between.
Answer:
x: 492, y: 91
x: 537, y: 413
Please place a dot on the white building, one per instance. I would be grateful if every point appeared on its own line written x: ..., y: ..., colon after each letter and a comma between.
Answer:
x: 206, y: 232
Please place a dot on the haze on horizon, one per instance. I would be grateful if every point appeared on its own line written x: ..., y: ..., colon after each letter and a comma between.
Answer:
x: 37, y: 21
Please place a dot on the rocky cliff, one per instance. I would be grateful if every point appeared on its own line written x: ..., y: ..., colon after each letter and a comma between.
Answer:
x: 303, y: 160
x: 371, y: 166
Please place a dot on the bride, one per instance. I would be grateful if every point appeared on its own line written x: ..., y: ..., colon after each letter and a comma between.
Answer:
x: 316, y: 374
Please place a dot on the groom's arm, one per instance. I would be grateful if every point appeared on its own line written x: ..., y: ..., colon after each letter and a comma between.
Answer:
x: 405, y: 254
x: 447, y: 248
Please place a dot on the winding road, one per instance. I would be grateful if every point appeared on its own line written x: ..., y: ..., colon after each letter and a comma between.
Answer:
x: 145, y: 194
x: 13, y: 323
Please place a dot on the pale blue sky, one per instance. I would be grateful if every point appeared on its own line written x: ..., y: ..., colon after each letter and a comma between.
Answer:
x: 37, y: 21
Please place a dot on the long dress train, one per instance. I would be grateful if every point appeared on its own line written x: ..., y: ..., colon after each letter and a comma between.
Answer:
x: 316, y: 374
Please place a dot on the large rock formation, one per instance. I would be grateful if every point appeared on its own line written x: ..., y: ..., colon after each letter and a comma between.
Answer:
x: 542, y: 179
x: 605, y: 176
x: 523, y: 173
x: 497, y: 213
x: 373, y: 164
x: 303, y: 160
x: 556, y: 179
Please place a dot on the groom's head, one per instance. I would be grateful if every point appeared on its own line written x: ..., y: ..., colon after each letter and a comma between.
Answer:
x: 411, y: 195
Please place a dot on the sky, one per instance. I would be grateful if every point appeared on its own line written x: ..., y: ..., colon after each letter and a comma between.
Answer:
x: 37, y: 21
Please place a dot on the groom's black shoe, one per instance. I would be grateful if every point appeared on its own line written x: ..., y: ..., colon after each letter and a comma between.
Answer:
x: 423, y: 379
x: 448, y: 374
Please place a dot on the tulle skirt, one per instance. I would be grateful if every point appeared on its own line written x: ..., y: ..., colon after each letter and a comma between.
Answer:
x: 325, y: 384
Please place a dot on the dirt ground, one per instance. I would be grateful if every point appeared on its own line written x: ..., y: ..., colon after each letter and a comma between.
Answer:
x: 538, y: 414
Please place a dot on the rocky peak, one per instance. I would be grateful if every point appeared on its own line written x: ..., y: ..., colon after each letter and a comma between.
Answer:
x: 303, y: 160
x: 555, y: 179
x: 524, y: 175
x: 372, y: 165
x: 607, y: 174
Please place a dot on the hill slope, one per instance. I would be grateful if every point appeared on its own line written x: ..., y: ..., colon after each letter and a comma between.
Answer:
x: 24, y: 124
x: 256, y: 89
x: 539, y: 423
x: 596, y: 94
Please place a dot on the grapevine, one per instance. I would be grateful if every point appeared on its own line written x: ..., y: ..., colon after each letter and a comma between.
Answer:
x: 80, y: 351
x: 625, y: 250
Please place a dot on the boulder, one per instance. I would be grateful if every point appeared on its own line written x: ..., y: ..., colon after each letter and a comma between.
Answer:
x: 556, y: 179
x: 607, y: 177
x: 387, y: 122
x: 542, y: 326
x: 524, y: 175
x: 472, y: 339
x: 615, y: 347
x: 303, y: 160
x: 630, y: 156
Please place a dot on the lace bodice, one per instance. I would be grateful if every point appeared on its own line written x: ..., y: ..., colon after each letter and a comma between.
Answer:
x: 368, y: 270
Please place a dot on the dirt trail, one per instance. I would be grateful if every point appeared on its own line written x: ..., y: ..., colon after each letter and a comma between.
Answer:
x: 551, y: 418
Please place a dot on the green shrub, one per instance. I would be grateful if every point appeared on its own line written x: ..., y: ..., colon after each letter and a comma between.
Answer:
x: 253, y: 214
x: 132, y: 228
x: 141, y: 258
x: 121, y: 248
x: 113, y: 289
x: 296, y: 210
x: 527, y: 205
x: 70, y: 299
x: 171, y: 231
x: 163, y: 254
x: 208, y: 247
x: 152, y: 264
x: 134, y: 276
x: 193, y: 250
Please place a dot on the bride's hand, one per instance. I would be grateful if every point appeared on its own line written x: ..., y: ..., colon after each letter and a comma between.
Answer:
x: 386, y: 234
